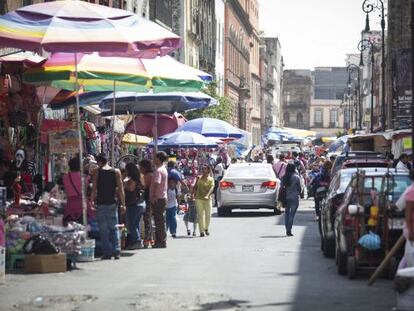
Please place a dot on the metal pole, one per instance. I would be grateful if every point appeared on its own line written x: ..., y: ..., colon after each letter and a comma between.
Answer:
x: 372, y: 88
x: 113, y: 128
x: 83, y: 192
x: 359, y: 101
x: 412, y: 79
x: 383, y: 108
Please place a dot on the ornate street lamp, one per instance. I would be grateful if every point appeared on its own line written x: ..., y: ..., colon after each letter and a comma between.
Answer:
x: 369, y: 6
x: 352, y: 69
x: 364, y: 45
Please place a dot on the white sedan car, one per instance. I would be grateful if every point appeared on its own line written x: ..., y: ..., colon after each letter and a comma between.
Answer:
x: 248, y: 186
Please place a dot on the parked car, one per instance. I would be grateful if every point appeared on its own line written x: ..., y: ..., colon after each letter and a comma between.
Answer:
x: 330, y: 205
x: 248, y: 186
x: 340, y: 159
x: 352, y: 218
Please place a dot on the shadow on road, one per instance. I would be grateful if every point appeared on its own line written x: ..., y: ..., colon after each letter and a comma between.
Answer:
x: 247, y: 213
x: 319, y: 287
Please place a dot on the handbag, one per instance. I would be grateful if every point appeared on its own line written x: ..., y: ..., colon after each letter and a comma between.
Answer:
x: 282, y: 194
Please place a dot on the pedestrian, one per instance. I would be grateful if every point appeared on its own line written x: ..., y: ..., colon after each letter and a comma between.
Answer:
x: 303, y: 159
x: 135, y: 205
x: 203, y: 189
x: 172, y: 205
x: 106, y: 186
x: 406, y: 204
x: 145, y: 167
x: 280, y: 166
x: 73, y: 210
x: 190, y: 215
x: 218, y: 175
x: 402, y: 163
x: 298, y: 163
x: 270, y: 159
x: 292, y: 188
x: 158, y: 197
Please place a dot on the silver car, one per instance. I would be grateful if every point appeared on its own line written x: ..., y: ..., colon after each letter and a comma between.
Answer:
x: 248, y: 186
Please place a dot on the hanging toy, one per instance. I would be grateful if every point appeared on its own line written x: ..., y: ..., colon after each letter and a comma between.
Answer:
x: 374, y: 210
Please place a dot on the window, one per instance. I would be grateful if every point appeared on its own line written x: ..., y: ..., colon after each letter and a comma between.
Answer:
x: 333, y: 118
x: 299, y: 121
x: 286, y: 119
x: 318, y: 118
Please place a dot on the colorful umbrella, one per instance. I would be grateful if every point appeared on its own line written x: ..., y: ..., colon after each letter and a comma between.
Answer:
x: 96, y: 73
x: 78, y: 26
x: 135, y: 103
x: 187, y: 140
x: 210, y: 127
x: 145, y: 124
x: 81, y: 27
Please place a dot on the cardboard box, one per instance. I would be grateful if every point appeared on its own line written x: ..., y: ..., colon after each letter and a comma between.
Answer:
x: 45, y: 263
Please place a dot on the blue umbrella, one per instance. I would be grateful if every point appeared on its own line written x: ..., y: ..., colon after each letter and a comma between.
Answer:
x: 210, y: 127
x: 169, y: 102
x: 185, y: 140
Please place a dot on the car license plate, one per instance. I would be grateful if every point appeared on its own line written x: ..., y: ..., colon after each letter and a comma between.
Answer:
x: 248, y: 188
x: 396, y: 223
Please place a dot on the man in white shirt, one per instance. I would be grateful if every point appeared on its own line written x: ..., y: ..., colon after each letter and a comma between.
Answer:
x: 218, y: 175
x: 402, y: 163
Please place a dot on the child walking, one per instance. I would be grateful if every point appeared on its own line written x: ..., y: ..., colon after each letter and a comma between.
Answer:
x: 172, y: 204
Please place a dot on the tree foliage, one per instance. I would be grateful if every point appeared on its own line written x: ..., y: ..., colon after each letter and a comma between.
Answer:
x: 221, y: 111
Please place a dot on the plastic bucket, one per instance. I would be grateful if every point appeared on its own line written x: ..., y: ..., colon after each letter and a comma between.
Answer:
x: 87, y: 251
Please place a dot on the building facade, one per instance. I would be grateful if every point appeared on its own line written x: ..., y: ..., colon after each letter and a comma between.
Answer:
x: 219, y: 74
x: 297, y: 93
x: 271, y: 71
x: 331, y: 105
x: 198, y: 18
x: 237, y: 31
x: 254, y: 107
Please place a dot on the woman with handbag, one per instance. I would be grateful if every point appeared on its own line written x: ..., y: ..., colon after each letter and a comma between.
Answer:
x: 289, y: 193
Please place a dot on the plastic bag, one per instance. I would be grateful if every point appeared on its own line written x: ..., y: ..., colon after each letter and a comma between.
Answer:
x: 39, y: 245
x: 370, y: 241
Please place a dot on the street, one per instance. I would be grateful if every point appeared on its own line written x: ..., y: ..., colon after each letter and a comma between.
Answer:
x: 246, y: 264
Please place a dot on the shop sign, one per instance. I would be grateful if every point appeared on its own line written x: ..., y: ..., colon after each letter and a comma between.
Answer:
x: 64, y: 142
x: 407, y: 143
x: 402, y: 88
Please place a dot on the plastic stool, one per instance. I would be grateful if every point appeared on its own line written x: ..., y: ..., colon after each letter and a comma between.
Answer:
x: 12, y: 259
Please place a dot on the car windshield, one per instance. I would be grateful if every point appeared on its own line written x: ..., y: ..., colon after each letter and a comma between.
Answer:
x: 345, y: 180
x: 396, y: 185
x: 249, y: 171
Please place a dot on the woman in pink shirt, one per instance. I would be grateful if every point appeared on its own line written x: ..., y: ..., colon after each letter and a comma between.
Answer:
x: 73, y: 189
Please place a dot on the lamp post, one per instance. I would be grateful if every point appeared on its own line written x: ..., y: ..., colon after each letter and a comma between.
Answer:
x: 352, y: 68
x: 369, y: 6
x: 364, y: 45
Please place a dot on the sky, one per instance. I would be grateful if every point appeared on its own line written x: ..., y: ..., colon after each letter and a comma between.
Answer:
x: 314, y: 33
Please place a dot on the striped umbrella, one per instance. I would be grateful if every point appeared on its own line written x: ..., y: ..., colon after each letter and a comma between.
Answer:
x: 96, y: 73
x: 78, y: 26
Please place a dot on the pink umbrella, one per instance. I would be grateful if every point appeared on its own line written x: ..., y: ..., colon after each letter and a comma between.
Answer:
x: 145, y: 124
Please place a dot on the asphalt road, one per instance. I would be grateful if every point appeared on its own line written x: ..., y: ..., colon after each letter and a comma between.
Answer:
x: 246, y: 264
